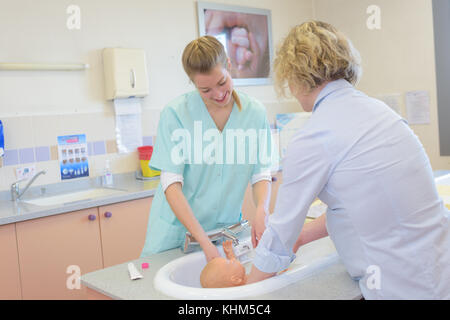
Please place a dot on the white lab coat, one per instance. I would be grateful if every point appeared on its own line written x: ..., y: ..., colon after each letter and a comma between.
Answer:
x: 385, y: 217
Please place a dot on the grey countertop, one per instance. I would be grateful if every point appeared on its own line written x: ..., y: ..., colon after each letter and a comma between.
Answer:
x: 132, y: 188
x: 331, y: 283
x: 11, y: 212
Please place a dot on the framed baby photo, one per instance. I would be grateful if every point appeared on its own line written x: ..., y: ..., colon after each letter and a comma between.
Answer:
x: 246, y: 34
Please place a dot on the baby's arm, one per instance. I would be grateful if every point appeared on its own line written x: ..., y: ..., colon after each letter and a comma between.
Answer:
x: 228, y: 249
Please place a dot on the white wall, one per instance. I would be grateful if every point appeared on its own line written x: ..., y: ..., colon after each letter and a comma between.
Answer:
x: 38, y: 106
x: 397, y: 58
x: 35, y: 31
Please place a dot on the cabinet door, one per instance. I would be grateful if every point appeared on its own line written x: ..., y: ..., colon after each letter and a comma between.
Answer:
x: 55, y: 250
x: 9, y: 264
x: 123, y: 228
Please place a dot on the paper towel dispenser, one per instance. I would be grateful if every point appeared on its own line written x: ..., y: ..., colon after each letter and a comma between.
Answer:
x: 125, y: 73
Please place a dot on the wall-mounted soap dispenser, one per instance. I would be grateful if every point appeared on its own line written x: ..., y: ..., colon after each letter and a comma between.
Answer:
x: 125, y: 72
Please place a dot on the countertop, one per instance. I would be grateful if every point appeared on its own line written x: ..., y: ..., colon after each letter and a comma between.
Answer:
x: 132, y: 188
x: 11, y: 212
x: 330, y: 283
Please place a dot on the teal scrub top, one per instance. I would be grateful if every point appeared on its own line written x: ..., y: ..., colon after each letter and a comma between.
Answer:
x: 216, y: 166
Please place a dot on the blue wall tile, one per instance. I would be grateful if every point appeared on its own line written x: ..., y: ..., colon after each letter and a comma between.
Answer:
x: 26, y: 155
x: 11, y: 157
x: 147, y: 141
x: 98, y: 147
x: 42, y: 153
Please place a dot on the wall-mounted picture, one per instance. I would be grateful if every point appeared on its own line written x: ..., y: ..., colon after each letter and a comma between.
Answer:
x: 246, y: 34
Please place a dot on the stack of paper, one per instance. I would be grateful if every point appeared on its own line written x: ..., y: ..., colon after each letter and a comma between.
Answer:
x: 128, y: 124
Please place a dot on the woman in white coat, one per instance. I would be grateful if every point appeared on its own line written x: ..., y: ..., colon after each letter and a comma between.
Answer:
x: 360, y: 158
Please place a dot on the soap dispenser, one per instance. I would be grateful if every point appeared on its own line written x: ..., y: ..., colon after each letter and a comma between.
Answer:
x: 107, y: 175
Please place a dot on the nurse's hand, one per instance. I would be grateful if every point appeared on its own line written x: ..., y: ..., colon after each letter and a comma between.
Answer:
x: 258, y: 225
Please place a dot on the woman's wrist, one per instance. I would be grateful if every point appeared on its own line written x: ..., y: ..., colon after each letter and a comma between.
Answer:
x: 261, y: 208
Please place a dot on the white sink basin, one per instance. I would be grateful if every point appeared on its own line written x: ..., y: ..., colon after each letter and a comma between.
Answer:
x: 180, y: 278
x: 73, y: 196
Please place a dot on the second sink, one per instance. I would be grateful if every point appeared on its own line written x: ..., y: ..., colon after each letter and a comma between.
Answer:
x: 73, y: 196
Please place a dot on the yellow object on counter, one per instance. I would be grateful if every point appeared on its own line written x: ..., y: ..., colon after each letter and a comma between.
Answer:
x: 444, y: 192
x: 146, y: 171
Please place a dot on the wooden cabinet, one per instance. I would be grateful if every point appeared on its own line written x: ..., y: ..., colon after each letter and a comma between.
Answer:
x: 54, y: 249
x: 52, y: 253
x: 9, y: 264
x: 123, y: 229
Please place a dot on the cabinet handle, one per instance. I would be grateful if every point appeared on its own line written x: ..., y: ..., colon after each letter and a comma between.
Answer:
x: 108, y: 214
x: 133, y: 78
x: 274, y: 179
x: 92, y: 217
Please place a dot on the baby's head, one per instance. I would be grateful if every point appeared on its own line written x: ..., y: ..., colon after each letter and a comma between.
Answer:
x: 222, y: 273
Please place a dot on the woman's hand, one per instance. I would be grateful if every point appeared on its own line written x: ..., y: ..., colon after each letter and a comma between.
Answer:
x: 312, y: 231
x: 182, y: 210
x: 258, y: 225
x: 257, y: 275
x: 210, y: 251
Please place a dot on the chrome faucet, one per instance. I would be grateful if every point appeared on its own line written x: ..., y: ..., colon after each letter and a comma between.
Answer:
x: 217, y: 235
x: 16, y: 194
x: 227, y: 233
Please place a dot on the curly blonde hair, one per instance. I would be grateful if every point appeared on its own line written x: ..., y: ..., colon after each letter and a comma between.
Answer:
x: 312, y: 53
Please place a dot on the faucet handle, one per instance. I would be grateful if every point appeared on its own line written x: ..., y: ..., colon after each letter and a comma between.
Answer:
x: 227, y: 233
x: 16, y: 183
x: 15, y: 191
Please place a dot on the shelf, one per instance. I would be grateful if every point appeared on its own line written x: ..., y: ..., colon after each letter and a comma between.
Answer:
x: 44, y: 66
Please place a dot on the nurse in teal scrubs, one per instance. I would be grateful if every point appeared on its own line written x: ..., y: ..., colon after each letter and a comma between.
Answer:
x: 210, y: 144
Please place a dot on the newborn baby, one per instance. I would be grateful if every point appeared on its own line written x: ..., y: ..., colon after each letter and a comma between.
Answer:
x: 223, y: 272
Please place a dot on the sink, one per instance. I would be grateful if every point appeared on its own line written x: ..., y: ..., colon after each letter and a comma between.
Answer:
x: 74, y: 196
x: 180, y: 278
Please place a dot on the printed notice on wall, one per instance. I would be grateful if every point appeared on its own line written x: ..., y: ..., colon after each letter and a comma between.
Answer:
x: 418, y: 107
x: 128, y: 124
x: 73, y: 156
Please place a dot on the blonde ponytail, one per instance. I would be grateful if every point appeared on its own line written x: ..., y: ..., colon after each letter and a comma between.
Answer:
x: 204, y: 54
x: 237, y: 100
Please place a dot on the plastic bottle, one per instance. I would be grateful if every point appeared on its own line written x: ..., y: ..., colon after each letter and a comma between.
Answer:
x: 107, y: 175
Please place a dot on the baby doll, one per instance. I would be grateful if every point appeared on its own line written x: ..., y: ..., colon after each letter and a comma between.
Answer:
x: 223, y: 272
